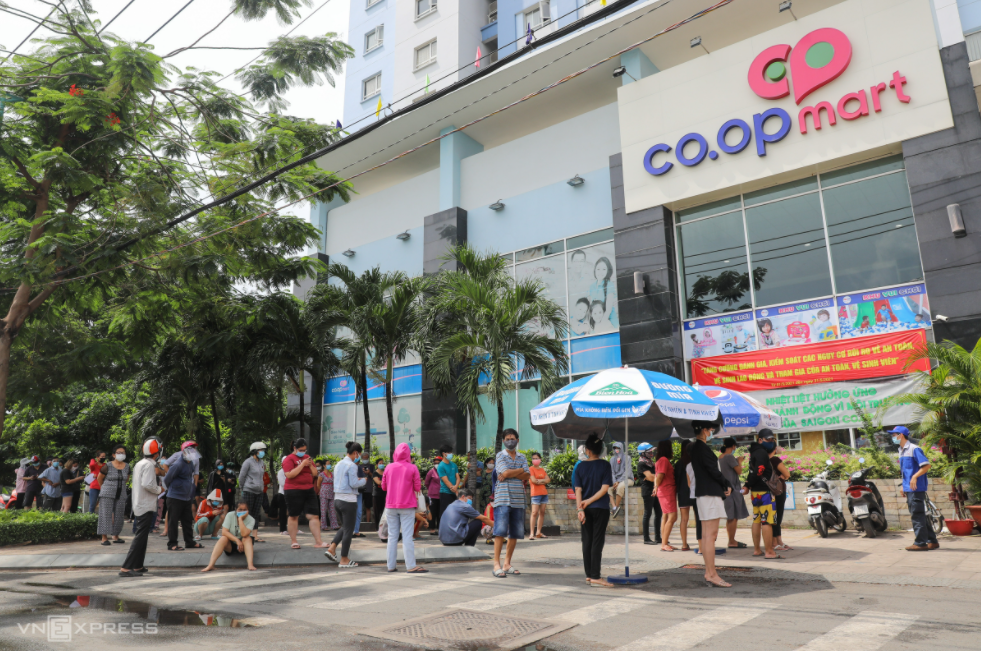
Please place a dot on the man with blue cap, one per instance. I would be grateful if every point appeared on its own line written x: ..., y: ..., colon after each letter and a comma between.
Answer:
x: 914, y: 465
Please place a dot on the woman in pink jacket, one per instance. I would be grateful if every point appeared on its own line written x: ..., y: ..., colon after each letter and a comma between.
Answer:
x: 401, y: 485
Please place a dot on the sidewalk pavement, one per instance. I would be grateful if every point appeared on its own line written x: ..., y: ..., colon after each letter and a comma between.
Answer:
x: 275, y: 552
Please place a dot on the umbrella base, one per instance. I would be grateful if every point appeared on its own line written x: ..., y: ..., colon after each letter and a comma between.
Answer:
x: 718, y: 551
x: 627, y: 580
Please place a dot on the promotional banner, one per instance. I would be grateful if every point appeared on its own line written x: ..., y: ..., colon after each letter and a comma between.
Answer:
x: 719, y: 335
x: 810, y: 322
x: 829, y: 406
x: 834, y: 361
x: 884, y: 310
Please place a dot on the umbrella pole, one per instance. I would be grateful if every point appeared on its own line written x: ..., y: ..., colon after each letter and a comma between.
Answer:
x: 626, y: 578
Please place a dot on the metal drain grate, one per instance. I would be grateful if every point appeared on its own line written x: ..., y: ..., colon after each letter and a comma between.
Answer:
x: 462, y: 629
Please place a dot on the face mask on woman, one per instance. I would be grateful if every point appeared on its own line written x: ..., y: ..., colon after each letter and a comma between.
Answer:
x: 328, y: 466
x: 381, y: 466
x: 215, y: 503
x: 221, y: 467
x: 120, y: 456
x: 262, y: 454
x: 489, y: 466
x: 769, y: 446
x: 241, y: 513
x: 536, y: 462
x: 301, y: 453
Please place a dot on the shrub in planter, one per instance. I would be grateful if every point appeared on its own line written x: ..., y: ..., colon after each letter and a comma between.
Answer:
x: 18, y: 527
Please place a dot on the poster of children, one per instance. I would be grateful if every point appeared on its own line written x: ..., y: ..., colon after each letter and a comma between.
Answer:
x: 884, y: 310
x: 797, y: 323
x: 592, y: 290
x: 719, y: 335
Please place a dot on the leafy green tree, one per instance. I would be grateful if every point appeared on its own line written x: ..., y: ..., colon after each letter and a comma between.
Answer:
x: 108, y: 149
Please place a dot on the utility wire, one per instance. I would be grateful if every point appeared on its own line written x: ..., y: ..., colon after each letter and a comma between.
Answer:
x: 168, y: 20
x: 27, y: 38
x: 118, y: 14
x: 407, y: 152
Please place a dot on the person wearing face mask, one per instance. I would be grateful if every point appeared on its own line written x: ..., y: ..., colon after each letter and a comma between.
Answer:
x: 539, y: 495
x: 250, y: 479
x: 95, y: 467
x: 461, y: 522
x: 485, y: 492
x: 328, y: 513
x: 211, y: 513
x: 218, y: 480
x: 509, y: 502
x: 367, y: 470
x: 112, y: 496
x: 146, y: 490
x: 181, y: 481
x: 433, y: 484
x: 71, y: 486
x: 51, y: 478
x: 449, y: 478
x: 914, y: 465
x: 235, y: 537
x: 346, y: 485
x: 400, y: 488
x: 301, y: 499
x: 711, y: 489
x: 32, y: 484
x: 378, y: 492
x: 764, y: 511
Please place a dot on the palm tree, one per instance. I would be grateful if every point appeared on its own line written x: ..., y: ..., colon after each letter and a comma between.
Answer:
x: 356, y: 302
x: 487, y: 332
x: 393, y: 324
x: 949, y: 408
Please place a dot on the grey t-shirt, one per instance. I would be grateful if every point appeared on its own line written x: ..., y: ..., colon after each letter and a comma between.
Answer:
x: 453, y: 522
x: 727, y: 465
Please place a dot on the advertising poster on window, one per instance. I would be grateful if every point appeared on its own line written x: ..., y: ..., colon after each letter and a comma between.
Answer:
x: 550, y: 271
x: 338, y: 427
x: 832, y: 406
x: 810, y: 322
x: 719, y: 335
x: 834, y: 361
x: 884, y: 310
x: 592, y: 290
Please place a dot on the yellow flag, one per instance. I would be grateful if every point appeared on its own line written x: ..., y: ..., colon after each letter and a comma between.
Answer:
x: 379, y: 109
x: 603, y: 3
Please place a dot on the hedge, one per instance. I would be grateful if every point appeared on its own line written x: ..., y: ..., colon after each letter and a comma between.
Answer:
x: 18, y: 527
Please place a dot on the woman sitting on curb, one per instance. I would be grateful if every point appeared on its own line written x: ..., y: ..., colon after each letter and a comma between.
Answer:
x: 235, y: 536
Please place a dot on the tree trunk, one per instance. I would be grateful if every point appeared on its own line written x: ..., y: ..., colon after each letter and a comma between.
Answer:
x: 6, y: 342
x: 303, y: 414
x: 499, y: 439
x: 388, y: 406
x: 214, y: 418
x: 471, y: 475
x: 364, y: 402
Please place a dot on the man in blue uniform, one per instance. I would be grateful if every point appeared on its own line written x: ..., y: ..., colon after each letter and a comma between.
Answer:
x: 914, y: 465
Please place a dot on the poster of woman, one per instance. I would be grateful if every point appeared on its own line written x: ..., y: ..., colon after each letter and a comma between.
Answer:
x: 592, y: 290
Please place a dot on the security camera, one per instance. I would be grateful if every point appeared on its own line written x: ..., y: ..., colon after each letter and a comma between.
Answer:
x: 941, y: 317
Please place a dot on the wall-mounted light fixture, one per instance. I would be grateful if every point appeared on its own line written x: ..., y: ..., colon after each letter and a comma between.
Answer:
x: 786, y: 6
x: 697, y: 42
x: 348, y: 254
x: 576, y: 181
x: 403, y: 236
x: 956, y: 220
x: 497, y: 205
x: 621, y: 71
x: 640, y: 285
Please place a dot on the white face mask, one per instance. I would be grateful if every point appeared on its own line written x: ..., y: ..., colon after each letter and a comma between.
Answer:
x: 120, y: 456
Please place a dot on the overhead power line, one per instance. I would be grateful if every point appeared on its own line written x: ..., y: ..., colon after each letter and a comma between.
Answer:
x: 118, y: 14
x: 28, y: 37
x: 168, y: 20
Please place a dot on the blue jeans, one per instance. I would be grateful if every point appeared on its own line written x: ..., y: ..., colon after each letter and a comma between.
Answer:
x: 357, y: 520
x: 403, y: 520
x: 509, y: 522
x: 921, y: 523
x: 93, y: 499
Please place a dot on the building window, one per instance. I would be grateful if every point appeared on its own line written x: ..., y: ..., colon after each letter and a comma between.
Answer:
x: 536, y: 16
x: 371, y: 3
x: 790, y: 441
x: 426, y: 54
x: 492, y: 12
x: 425, y: 7
x: 374, y: 38
x: 371, y: 86
x: 836, y: 233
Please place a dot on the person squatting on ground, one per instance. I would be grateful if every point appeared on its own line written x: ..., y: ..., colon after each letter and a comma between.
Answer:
x: 711, y: 488
x: 346, y: 485
x: 401, y: 487
x: 539, y: 495
x: 462, y: 523
x: 236, y: 536
x: 591, y: 480
x: 301, y: 499
x: 211, y: 513
x: 146, y: 488
x: 509, y: 502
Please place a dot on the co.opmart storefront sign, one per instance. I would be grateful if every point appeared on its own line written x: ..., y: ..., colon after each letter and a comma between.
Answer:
x: 828, y: 87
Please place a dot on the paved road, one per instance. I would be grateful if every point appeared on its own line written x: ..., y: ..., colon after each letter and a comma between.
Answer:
x: 309, y: 608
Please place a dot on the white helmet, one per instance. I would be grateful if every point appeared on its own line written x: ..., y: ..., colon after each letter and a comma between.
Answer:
x: 215, y: 495
x: 152, y: 446
x: 258, y: 445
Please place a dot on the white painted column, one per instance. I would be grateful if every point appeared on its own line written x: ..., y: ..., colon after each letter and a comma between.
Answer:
x: 947, y: 21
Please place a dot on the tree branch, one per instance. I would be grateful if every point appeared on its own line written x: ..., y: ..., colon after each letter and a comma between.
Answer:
x: 179, y: 50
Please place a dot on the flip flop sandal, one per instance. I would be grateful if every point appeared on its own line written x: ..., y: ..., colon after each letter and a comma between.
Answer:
x: 513, y: 571
x: 331, y: 557
x: 118, y: 542
x: 686, y: 548
x: 501, y: 574
x: 128, y: 573
x: 597, y: 584
x: 196, y: 545
x: 351, y: 564
x: 106, y: 543
x: 778, y: 557
x: 175, y: 549
x: 417, y: 570
x: 738, y: 545
x: 295, y: 546
x: 322, y: 545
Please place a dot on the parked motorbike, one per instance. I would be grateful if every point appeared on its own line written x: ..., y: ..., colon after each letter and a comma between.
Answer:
x: 824, y: 504
x: 865, y: 503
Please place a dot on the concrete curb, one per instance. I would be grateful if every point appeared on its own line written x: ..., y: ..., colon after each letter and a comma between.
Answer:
x: 270, y: 558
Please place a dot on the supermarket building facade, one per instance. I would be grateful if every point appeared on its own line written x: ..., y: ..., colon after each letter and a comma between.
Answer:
x: 792, y: 192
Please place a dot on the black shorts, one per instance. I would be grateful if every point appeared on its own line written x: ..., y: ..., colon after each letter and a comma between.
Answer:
x: 231, y: 549
x: 299, y: 502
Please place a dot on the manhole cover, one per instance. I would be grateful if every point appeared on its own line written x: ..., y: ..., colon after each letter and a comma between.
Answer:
x: 463, y: 628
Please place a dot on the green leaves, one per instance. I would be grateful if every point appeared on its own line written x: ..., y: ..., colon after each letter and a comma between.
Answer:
x: 294, y: 60
x: 133, y: 69
x: 286, y: 10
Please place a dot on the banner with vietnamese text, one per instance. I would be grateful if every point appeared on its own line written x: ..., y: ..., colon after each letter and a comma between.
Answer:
x: 834, y: 361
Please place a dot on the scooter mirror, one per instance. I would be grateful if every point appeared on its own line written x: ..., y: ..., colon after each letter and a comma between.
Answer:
x: 829, y: 462
x: 861, y: 459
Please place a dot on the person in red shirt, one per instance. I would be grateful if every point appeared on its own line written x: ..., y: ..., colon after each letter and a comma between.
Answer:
x: 95, y: 467
x: 211, y: 513
x: 301, y: 498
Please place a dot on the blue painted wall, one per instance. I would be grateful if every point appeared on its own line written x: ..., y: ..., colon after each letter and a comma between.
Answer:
x: 543, y: 215
x: 388, y: 253
x: 970, y: 11
x: 362, y: 66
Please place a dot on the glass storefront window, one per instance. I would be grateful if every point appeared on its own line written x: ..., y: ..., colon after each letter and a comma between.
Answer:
x: 714, y: 208
x: 787, y: 250
x: 790, y: 441
x: 714, y: 266
x: 873, y: 239
x: 539, y: 251
x: 592, y: 290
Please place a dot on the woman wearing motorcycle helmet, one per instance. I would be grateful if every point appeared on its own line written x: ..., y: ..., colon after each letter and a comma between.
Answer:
x: 250, y: 479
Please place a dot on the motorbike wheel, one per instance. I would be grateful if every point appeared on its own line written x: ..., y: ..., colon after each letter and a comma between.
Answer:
x: 869, y: 527
x: 839, y: 525
x: 821, y: 526
x: 937, y: 522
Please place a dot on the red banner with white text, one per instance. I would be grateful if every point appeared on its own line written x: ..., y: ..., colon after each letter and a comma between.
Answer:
x: 835, y: 361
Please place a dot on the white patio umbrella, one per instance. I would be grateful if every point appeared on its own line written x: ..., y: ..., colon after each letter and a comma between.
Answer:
x: 650, y: 406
